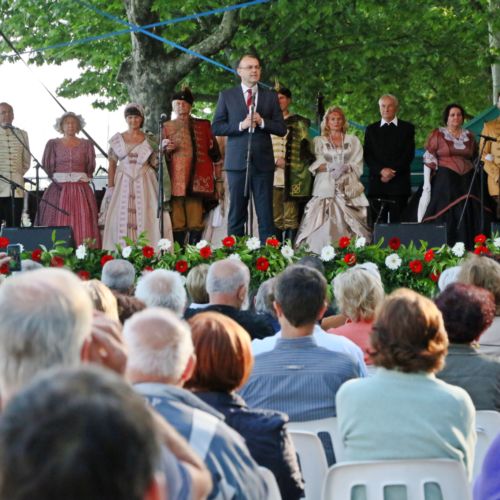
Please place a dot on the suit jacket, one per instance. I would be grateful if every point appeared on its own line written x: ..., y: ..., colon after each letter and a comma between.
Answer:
x: 392, y: 147
x: 231, y: 110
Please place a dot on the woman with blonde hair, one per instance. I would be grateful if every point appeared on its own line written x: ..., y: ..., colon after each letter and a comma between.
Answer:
x: 338, y: 206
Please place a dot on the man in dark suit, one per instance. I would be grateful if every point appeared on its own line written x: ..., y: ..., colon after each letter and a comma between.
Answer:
x: 389, y: 150
x: 232, y: 119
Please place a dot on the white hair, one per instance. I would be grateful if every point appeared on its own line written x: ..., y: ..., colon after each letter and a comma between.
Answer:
x: 389, y: 96
x: 226, y: 276
x: 162, y: 288
x: 118, y: 274
x: 45, y: 317
x: 159, y: 343
x: 448, y: 276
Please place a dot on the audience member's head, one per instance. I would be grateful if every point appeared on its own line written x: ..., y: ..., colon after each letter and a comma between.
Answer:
x: 371, y: 267
x: 160, y: 347
x: 228, y: 282
x: 264, y: 298
x: 128, y: 306
x: 78, y: 434
x: 467, y: 311
x: 30, y: 265
x: 483, y: 272
x: 358, y: 294
x: 408, y: 334
x: 312, y: 261
x: 223, y: 353
x: 45, y: 319
x: 162, y: 288
x: 299, y: 295
x: 448, y: 276
x: 102, y: 298
x: 196, y: 284
x: 119, y: 275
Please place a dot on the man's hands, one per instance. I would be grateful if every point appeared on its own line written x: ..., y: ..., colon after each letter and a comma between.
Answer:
x: 247, y: 122
x: 387, y: 174
x: 168, y: 145
x: 280, y: 163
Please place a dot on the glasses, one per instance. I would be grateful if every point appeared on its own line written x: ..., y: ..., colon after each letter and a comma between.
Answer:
x: 249, y: 67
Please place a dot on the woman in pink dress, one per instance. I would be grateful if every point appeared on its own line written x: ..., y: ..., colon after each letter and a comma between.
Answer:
x: 70, y: 163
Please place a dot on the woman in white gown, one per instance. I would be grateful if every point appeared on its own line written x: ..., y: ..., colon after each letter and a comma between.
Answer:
x: 338, y: 206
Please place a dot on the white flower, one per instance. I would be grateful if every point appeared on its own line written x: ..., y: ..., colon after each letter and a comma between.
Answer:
x: 393, y: 261
x: 81, y: 252
x: 235, y: 256
x: 458, y: 249
x: 360, y: 242
x: 287, y: 252
x: 253, y: 243
x: 496, y: 242
x: 201, y: 244
x: 126, y: 252
x: 164, y: 244
x: 327, y: 253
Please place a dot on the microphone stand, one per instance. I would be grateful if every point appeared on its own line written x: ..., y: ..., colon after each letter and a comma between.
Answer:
x: 478, y: 165
x: 160, y: 173
x: 248, y: 190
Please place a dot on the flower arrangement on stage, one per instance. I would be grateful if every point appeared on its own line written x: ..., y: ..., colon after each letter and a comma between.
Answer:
x: 414, y: 266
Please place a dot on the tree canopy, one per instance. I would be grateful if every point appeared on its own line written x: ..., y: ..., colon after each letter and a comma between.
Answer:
x: 427, y: 53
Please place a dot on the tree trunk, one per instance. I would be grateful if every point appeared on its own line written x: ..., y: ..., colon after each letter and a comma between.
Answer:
x: 152, y: 74
x: 494, y: 40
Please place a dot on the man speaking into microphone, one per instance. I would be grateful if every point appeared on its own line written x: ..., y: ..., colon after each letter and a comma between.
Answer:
x: 14, y: 163
x: 247, y: 109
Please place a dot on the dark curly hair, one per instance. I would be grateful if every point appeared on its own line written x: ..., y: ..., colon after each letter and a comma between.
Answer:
x: 408, y: 334
x: 467, y: 311
x: 447, y: 110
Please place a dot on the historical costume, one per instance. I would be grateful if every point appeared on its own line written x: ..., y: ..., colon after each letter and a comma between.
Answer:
x: 338, y: 206
x: 491, y: 158
x: 193, y: 163
x: 70, y: 163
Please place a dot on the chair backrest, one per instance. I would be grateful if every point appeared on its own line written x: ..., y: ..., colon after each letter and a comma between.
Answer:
x: 327, y: 425
x: 312, y: 461
x: 375, y: 476
x: 487, y: 429
x: 272, y: 484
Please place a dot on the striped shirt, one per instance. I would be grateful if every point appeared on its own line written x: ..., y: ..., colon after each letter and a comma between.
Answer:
x: 298, y: 378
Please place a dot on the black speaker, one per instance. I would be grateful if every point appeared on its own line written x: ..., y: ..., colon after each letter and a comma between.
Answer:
x: 434, y: 234
x: 495, y: 228
x: 32, y: 237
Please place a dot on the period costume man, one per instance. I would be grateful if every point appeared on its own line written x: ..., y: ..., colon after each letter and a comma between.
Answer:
x: 194, y: 166
x: 14, y: 163
x: 233, y: 119
x: 389, y: 149
x: 292, y: 179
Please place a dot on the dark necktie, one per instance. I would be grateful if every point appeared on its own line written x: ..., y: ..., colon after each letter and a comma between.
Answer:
x: 249, y: 98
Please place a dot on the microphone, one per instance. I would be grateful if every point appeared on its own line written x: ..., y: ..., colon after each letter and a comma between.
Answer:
x: 383, y: 200
x: 488, y: 138
x: 163, y: 118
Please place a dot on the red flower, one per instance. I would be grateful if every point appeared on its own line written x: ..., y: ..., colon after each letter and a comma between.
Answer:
x: 206, y: 252
x: 481, y: 249
x: 229, y: 241
x: 106, y: 258
x: 434, y: 277
x: 83, y: 275
x: 394, y: 243
x: 148, y: 252
x: 344, y: 242
x: 4, y: 242
x: 480, y: 238
x: 272, y: 242
x: 36, y: 255
x: 148, y: 269
x: 4, y: 268
x: 56, y: 261
x: 181, y: 266
x: 262, y: 264
x: 429, y: 255
x: 350, y: 259
x: 416, y: 266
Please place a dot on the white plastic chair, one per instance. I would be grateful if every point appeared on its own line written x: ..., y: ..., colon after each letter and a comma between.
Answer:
x: 487, y: 429
x: 272, y: 484
x: 312, y: 461
x: 328, y: 425
x: 413, y: 474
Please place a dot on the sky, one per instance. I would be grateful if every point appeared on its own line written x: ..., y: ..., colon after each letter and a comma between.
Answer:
x: 35, y: 111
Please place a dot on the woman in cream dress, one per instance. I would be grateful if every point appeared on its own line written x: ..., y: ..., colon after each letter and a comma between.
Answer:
x: 338, y: 206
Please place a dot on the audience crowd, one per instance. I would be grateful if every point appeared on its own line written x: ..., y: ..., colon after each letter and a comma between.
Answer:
x: 180, y: 389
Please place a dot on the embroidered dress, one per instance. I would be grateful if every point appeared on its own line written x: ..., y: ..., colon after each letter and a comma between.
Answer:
x: 134, y: 203
x: 71, y: 168
x: 451, y: 160
x: 338, y: 206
